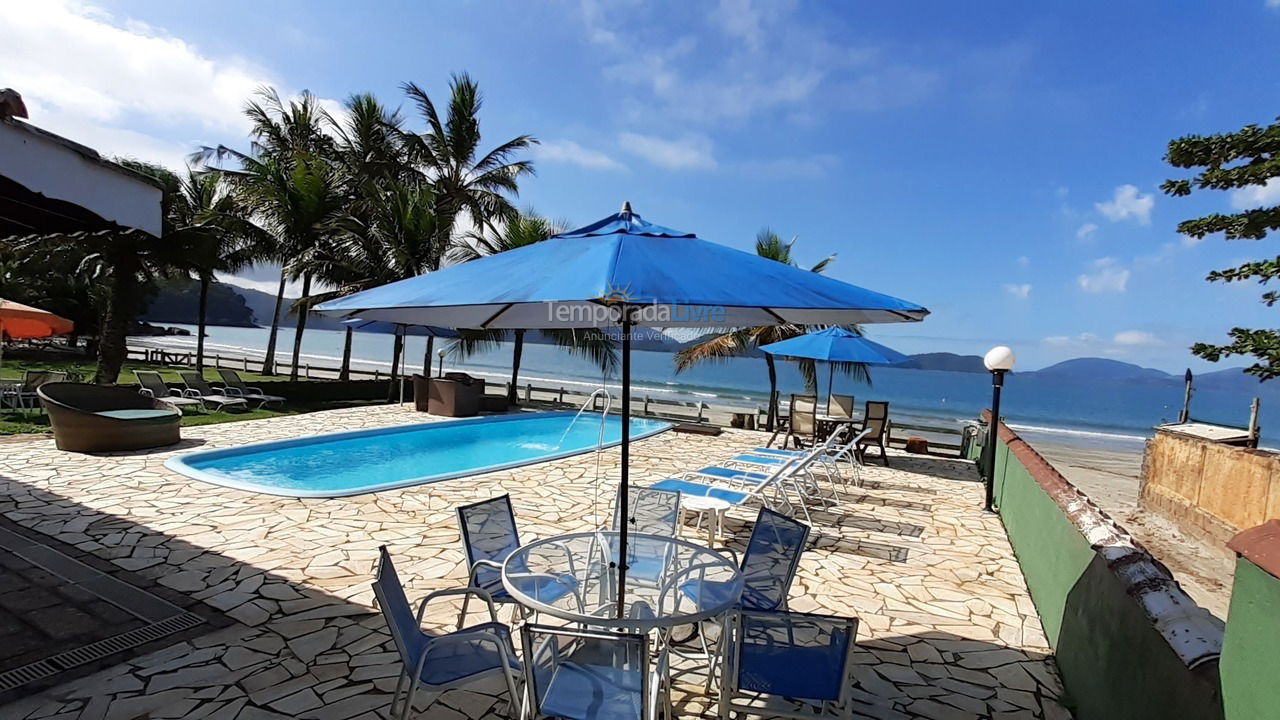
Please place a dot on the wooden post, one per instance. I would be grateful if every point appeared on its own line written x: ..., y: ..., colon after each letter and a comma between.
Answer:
x: 1253, y: 423
x: 646, y: 405
x: 244, y: 363
x: 1185, y: 415
x: 560, y: 398
x: 701, y: 406
x: 528, y: 392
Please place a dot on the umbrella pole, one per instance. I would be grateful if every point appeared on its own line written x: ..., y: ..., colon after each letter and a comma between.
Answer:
x: 831, y: 388
x: 623, y: 495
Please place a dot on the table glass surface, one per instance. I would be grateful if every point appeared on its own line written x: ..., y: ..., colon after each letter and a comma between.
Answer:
x: 669, y: 581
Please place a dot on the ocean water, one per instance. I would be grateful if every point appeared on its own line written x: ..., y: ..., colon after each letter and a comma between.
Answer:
x: 1111, y: 415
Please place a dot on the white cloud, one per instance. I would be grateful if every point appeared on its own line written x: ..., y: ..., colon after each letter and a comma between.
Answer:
x: 1086, y: 230
x: 691, y: 152
x: 1128, y: 203
x: 1273, y: 3
x: 570, y: 152
x: 98, y: 78
x: 1020, y: 291
x: 1107, y: 277
x: 1136, y: 338
x: 782, y: 168
x: 1256, y: 196
x: 1024, y: 261
x: 1071, y: 340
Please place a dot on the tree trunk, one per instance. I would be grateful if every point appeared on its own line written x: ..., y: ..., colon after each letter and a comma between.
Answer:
x: 269, y: 362
x: 512, y: 394
x: 396, y: 350
x: 121, y: 307
x: 426, y: 356
x: 345, y: 373
x: 202, y: 315
x: 301, y: 328
x: 772, y: 419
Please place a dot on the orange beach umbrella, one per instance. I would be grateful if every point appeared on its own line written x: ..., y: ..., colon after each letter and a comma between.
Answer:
x: 23, y: 321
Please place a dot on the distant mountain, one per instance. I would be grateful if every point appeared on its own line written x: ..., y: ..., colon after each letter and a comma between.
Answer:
x: 949, y: 362
x: 1234, y: 379
x: 1095, y: 369
x: 178, y: 301
x: 263, y: 304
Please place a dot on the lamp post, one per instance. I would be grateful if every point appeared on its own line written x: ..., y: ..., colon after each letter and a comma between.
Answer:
x: 998, y: 360
x: 440, y: 354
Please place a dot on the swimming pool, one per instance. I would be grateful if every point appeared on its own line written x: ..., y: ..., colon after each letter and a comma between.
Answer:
x: 364, y: 461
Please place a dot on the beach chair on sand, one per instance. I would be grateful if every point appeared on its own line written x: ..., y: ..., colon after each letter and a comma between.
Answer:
x: 875, y: 426
x: 840, y: 406
x: 802, y: 423
x: 235, y: 387
x: 196, y: 387
x: 151, y: 385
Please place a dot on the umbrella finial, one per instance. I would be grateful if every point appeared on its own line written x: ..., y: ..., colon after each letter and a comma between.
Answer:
x: 626, y: 207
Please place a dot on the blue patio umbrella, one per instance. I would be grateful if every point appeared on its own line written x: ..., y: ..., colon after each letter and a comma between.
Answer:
x: 835, y: 345
x: 379, y: 326
x: 623, y: 272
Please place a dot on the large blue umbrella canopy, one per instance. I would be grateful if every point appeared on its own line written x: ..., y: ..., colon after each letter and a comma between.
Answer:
x: 379, y: 326
x: 623, y: 271
x: 668, y: 278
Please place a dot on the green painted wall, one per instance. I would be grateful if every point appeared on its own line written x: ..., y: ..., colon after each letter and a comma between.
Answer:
x: 1251, y: 648
x: 1114, y: 663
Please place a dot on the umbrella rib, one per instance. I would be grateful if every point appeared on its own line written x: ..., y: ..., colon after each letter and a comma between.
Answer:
x: 485, y: 325
x: 776, y: 316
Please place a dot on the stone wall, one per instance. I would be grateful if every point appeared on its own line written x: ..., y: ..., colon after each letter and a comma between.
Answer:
x: 1209, y: 490
x: 1128, y: 641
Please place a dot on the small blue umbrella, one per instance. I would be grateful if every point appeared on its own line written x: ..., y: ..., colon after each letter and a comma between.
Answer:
x: 623, y: 272
x: 834, y: 345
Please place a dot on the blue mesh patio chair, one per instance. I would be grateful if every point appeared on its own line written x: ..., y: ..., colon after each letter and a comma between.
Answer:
x: 768, y: 565
x: 589, y: 675
x: 489, y: 535
x: 803, y: 659
x: 441, y: 662
x: 649, y: 512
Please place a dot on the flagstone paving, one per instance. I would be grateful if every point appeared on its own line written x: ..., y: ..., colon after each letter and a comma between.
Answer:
x: 947, y: 631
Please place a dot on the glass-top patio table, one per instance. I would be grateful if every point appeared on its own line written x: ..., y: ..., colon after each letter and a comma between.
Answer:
x: 670, y: 581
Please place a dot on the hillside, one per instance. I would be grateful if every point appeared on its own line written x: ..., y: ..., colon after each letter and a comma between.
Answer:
x: 178, y: 301
x: 1100, y: 369
x: 949, y: 362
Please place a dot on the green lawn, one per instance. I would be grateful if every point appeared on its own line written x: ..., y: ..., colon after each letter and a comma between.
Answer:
x: 18, y: 423
x: 13, y: 369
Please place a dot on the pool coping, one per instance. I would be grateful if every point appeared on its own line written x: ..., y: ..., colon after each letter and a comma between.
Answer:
x: 179, y: 463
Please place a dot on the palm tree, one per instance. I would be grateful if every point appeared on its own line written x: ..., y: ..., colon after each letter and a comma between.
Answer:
x: 739, y: 341
x: 290, y: 186
x: 523, y: 229
x: 448, y: 157
x: 206, y: 215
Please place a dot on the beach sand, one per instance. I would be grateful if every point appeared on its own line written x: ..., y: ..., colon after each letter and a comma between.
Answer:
x: 1110, y: 476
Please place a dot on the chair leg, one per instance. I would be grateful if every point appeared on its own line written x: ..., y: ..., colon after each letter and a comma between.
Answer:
x: 395, y: 696
x: 408, y: 701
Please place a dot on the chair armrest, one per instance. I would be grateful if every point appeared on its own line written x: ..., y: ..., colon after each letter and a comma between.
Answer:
x: 146, y: 392
x: 482, y: 594
x: 192, y: 393
x: 228, y: 390
x: 254, y: 390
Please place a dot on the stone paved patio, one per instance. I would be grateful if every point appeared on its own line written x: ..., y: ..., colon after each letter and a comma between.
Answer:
x: 948, y: 630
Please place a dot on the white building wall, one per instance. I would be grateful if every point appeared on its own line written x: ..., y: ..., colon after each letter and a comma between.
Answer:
x: 55, y: 170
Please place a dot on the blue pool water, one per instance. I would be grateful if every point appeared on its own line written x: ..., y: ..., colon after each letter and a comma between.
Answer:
x: 363, y: 461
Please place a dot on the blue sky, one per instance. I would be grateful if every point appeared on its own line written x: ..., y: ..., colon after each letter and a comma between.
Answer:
x: 996, y: 162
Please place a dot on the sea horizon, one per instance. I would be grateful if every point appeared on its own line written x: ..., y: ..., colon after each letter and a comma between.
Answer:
x: 1114, y: 416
